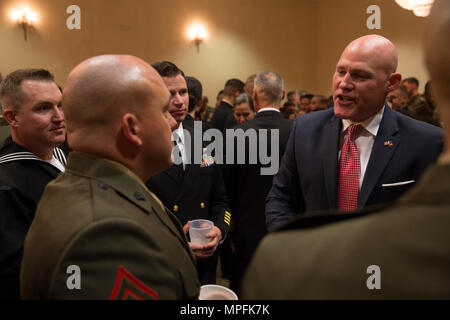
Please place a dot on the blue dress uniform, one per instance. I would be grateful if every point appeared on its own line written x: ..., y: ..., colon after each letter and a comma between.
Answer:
x: 197, y: 192
x: 23, y: 177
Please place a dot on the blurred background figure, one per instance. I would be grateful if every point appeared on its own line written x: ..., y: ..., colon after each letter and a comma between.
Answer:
x: 223, y: 115
x: 428, y: 95
x: 288, y: 110
x: 318, y: 102
x: 243, y: 108
x: 195, y: 91
x: 305, y: 101
x: 249, y: 83
x: 398, y: 98
x: 417, y: 106
x: 293, y: 97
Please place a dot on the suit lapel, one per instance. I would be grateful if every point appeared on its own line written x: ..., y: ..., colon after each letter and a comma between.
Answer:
x: 381, y: 154
x: 189, y: 167
x: 330, y: 145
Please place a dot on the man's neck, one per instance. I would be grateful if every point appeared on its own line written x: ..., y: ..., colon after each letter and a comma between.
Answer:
x: 42, y: 153
x: 228, y: 100
x: 267, y: 105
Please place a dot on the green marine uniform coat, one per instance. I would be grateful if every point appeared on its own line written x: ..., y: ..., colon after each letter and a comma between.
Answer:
x: 99, y: 233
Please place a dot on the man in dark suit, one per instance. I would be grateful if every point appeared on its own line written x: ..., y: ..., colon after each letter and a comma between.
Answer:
x: 361, y: 152
x: 191, y: 190
x: 399, y: 253
x: 223, y: 115
x: 247, y: 187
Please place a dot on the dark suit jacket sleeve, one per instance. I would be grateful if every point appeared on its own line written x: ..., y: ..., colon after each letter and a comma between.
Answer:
x: 110, y: 248
x: 220, y: 203
x: 285, y: 199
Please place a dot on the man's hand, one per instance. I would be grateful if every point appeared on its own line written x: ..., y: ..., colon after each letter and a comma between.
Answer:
x: 202, y: 251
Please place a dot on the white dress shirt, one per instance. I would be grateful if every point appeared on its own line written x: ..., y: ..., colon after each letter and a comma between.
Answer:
x: 364, y: 142
x: 268, y: 109
x: 57, y: 164
x: 178, y: 136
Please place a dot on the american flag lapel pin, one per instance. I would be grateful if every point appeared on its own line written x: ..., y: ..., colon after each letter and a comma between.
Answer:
x: 389, y: 143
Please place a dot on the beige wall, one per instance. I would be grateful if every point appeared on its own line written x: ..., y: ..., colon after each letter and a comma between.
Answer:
x: 301, y: 39
x: 246, y: 36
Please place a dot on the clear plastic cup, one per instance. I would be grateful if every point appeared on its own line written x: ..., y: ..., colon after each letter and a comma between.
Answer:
x: 216, y: 292
x: 199, y: 229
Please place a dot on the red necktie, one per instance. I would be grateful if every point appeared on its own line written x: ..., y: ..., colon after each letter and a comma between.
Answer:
x: 349, y: 171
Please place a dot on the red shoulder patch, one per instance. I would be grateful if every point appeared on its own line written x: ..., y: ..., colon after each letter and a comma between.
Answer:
x: 127, y: 286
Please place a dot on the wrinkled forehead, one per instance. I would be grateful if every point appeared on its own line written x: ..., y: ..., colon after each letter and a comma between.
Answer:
x: 373, y: 62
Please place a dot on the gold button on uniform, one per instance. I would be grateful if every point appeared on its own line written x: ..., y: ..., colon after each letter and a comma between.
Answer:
x: 202, y: 205
x: 175, y: 208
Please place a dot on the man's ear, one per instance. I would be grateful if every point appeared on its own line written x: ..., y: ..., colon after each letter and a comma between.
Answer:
x: 394, y: 81
x: 131, y: 129
x: 254, y: 96
x: 10, y: 115
x: 283, y: 95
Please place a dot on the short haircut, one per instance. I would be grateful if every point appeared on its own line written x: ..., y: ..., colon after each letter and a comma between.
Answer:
x: 167, y: 69
x: 323, y: 99
x: 244, y: 98
x: 306, y: 95
x: 233, y: 85
x: 11, y: 93
x: 195, y: 91
x: 412, y: 80
x: 291, y: 93
x: 220, y: 93
x: 271, y: 85
x: 403, y: 91
x: 289, y: 104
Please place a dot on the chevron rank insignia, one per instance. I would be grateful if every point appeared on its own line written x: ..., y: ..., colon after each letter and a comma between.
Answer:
x: 129, y: 287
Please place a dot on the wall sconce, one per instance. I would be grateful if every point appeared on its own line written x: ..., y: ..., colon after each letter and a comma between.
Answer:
x: 197, y: 34
x: 24, y: 18
x: 421, y: 8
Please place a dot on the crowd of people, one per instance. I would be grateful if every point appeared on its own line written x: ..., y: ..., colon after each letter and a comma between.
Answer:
x: 104, y: 176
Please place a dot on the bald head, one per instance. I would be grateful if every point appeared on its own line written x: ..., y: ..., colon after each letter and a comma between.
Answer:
x: 365, y: 74
x: 115, y: 110
x: 99, y: 90
x: 382, y: 51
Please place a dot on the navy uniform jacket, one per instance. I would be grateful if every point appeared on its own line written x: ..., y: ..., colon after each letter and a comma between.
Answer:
x: 308, y: 176
x: 247, y: 188
x: 23, y: 177
x: 196, y: 193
